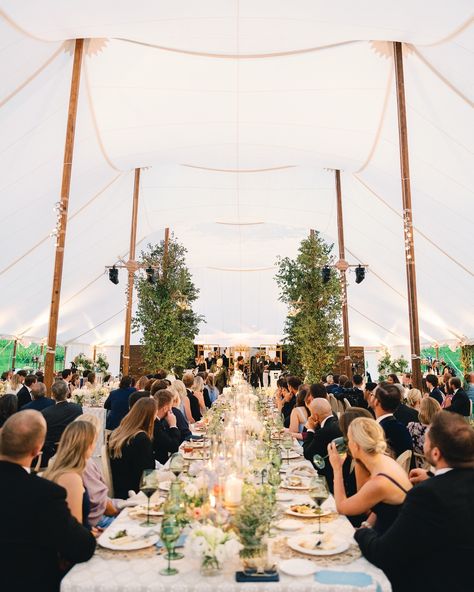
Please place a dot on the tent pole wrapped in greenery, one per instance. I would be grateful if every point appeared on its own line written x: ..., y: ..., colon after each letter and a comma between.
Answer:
x: 313, y: 323
x: 164, y: 313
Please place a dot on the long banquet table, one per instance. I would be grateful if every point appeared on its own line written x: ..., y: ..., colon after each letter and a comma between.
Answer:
x: 106, y: 572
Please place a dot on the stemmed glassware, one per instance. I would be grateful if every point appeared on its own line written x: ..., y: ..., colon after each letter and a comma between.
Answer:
x: 176, y: 464
x: 341, y: 447
x: 148, y: 485
x: 287, y: 444
x: 318, y: 492
x: 170, y: 531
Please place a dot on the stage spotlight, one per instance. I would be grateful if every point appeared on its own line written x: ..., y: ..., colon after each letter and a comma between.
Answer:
x: 326, y: 274
x: 360, y: 274
x: 150, y: 275
x: 114, y: 275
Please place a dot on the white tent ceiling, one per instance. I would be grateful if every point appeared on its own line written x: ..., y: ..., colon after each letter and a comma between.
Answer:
x: 240, y: 110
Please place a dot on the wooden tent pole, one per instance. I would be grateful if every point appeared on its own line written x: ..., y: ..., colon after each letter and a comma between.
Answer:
x: 15, y: 346
x: 165, y: 250
x: 342, y: 271
x: 132, y: 266
x: 407, y: 218
x: 64, y: 203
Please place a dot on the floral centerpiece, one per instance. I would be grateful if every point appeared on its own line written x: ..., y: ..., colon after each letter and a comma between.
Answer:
x: 213, y: 546
x: 90, y: 397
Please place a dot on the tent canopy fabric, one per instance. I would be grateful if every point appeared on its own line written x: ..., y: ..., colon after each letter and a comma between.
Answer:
x: 238, y: 113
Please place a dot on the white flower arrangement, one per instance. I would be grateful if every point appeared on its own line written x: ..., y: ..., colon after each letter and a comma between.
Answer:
x: 212, y: 545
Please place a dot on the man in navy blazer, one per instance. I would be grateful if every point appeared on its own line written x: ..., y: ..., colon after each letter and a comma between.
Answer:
x: 24, y: 394
x: 460, y: 403
x: 385, y: 399
x: 117, y: 403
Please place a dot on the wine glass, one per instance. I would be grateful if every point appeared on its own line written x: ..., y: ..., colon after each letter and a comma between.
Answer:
x: 341, y: 447
x: 176, y: 465
x: 287, y: 444
x: 318, y: 492
x: 148, y: 485
x: 169, y: 534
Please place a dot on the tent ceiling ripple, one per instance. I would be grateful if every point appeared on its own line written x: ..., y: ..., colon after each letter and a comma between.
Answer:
x: 239, y: 111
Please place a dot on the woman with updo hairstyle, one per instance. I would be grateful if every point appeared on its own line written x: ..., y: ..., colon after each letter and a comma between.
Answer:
x: 381, y: 488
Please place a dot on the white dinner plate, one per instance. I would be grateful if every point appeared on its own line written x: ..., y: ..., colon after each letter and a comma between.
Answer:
x: 193, y: 455
x: 337, y: 545
x: 135, y: 539
x: 288, y: 525
x: 297, y: 567
x: 142, y: 510
x: 324, y: 512
x: 301, y: 487
x: 291, y: 455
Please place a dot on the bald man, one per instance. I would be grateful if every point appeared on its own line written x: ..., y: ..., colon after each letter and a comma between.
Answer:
x: 37, y: 528
x: 322, y: 427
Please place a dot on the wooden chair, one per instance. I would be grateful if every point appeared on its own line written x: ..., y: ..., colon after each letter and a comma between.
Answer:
x: 106, y: 470
x: 404, y: 460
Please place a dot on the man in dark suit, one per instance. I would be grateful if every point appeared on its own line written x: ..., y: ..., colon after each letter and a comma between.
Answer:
x: 322, y: 427
x: 166, y: 435
x: 432, y: 384
x: 385, y: 399
x: 117, y: 403
x: 24, y: 394
x: 58, y: 417
x: 356, y: 398
x: 460, y: 402
x: 40, y: 400
x: 37, y: 528
x: 430, y: 545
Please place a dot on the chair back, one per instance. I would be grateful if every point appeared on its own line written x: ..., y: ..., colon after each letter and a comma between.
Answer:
x: 346, y: 404
x: 333, y: 402
x: 404, y: 460
x: 106, y: 470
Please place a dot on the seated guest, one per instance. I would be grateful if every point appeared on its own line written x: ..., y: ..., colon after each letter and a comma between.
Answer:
x: 181, y: 421
x: 289, y: 399
x: 75, y: 449
x: 341, y: 392
x: 351, y: 470
x: 281, y: 392
x: 42, y: 532
x: 357, y: 398
x: 331, y: 384
x: 368, y: 392
x: 382, y: 489
x: 406, y: 413
x: 322, y: 427
x: 117, y: 403
x: 178, y: 388
x: 16, y: 383
x: 24, y: 394
x: 428, y: 409
x: 198, y: 394
x: 89, y: 383
x: 432, y: 384
x: 318, y: 391
x: 131, y: 449
x: 205, y: 389
x: 196, y: 405
x: 58, y: 417
x: 8, y: 406
x: 213, y: 390
x: 142, y: 383
x: 470, y: 386
x: 40, y: 400
x: 459, y: 402
x: 385, y: 399
x: 430, y: 544
x: 393, y: 379
x: 102, y: 507
x: 166, y: 435
x: 414, y: 399
x: 133, y: 398
x: 299, y: 414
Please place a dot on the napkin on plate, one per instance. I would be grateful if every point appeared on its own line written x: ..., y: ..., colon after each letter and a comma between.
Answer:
x: 346, y: 578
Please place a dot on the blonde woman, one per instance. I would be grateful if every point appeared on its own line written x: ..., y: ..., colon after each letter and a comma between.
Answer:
x: 16, y: 382
x: 66, y: 468
x: 382, y: 490
x: 130, y: 447
x: 182, y: 401
x: 414, y: 398
x: 196, y: 399
x: 429, y: 407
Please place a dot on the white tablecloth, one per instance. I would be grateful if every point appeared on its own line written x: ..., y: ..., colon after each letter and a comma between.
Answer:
x: 101, y: 413
x: 141, y: 574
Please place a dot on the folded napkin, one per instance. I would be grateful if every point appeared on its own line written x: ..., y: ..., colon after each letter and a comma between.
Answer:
x: 241, y: 576
x: 179, y: 543
x: 345, y: 578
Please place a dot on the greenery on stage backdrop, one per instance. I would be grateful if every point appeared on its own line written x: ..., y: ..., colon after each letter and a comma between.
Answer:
x: 313, y: 323
x: 164, y: 312
x: 27, y: 357
x: 388, y: 366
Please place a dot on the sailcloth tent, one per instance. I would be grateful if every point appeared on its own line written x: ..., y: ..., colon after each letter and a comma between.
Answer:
x: 238, y: 113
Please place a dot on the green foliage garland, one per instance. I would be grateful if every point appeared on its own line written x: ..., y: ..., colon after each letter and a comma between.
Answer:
x: 164, y: 313
x: 313, y: 324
